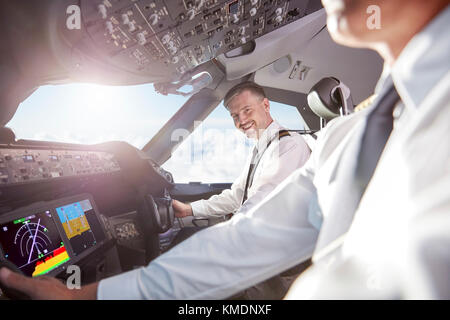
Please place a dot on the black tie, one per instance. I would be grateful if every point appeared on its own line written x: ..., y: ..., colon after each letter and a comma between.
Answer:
x: 250, y: 173
x: 257, y: 157
x: 356, y: 168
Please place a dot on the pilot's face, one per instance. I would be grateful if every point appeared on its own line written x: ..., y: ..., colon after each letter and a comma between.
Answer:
x: 351, y: 22
x: 250, y: 113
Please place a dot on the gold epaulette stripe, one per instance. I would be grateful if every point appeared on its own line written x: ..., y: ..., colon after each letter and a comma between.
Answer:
x: 283, y: 134
x: 365, y: 103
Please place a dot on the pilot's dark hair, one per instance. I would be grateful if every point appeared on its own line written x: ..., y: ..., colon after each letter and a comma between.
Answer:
x: 243, y: 86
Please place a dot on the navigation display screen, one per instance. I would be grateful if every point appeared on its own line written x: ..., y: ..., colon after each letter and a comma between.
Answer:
x: 33, y: 243
x: 81, y: 225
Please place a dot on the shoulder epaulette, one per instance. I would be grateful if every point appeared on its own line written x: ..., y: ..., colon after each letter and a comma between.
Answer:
x: 365, y: 103
x: 283, y: 133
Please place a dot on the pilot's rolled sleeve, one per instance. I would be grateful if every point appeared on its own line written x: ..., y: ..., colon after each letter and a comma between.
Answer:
x: 222, y: 204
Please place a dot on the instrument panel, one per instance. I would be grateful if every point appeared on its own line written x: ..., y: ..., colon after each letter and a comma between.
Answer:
x: 24, y: 165
x: 45, y: 238
x: 48, y: 218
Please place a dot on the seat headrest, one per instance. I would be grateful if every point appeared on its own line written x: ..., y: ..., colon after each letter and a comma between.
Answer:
x: 329, y: 98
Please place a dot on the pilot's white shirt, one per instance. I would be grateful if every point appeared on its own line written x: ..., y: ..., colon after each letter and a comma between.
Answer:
x: 282, y: 157
x: 398, y: 243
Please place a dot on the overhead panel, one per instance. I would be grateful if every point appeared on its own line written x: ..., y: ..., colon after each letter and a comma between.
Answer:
x: 169, y: 38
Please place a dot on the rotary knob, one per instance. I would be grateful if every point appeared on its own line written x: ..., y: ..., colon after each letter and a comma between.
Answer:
x: 109, y: 27
x: 191, y: 14
x: 173, y: 50
x: 125, y: 19
x: 141, y: 38
x: 165, y: 39
x: 131, y: 27
x: 153, y: 19
x: 169, y: 177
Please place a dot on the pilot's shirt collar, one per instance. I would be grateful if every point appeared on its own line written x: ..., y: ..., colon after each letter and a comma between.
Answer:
x: 423, y: 62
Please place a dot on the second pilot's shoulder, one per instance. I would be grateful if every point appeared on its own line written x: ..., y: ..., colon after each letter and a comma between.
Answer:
x: 292, y: 140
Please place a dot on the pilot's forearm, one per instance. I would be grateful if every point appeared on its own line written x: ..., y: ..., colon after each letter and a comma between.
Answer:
x: 45, y: 287
x: 216, y: 206
x: 88, y: 292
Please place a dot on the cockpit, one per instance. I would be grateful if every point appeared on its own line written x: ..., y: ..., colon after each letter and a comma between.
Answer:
x: 106, y: 207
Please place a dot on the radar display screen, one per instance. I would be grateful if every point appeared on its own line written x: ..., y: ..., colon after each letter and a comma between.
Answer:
x: 81, y: 225
x: 33, y: 243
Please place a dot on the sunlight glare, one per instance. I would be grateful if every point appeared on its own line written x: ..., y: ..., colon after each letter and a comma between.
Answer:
x: 98, y: 108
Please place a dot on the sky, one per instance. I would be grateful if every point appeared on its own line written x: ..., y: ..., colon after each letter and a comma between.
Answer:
x: 89, y: 113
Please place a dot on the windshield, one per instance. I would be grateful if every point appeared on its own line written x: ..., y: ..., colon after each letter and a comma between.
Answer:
x: 89, y: 113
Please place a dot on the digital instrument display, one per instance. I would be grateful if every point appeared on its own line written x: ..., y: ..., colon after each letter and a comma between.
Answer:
x: 81, y: 225
x: 28, y: 158
x: 33, y: 243
x: 46, y: 237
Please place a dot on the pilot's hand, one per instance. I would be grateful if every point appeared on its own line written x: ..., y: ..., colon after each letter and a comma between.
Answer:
x: 45, y: 287
x: 181, y: 209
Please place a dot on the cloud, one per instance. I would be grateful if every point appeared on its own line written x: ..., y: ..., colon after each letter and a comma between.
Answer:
x: 210, y: 155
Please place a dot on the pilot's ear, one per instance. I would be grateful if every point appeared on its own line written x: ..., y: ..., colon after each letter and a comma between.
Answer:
x: 266, y: 105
